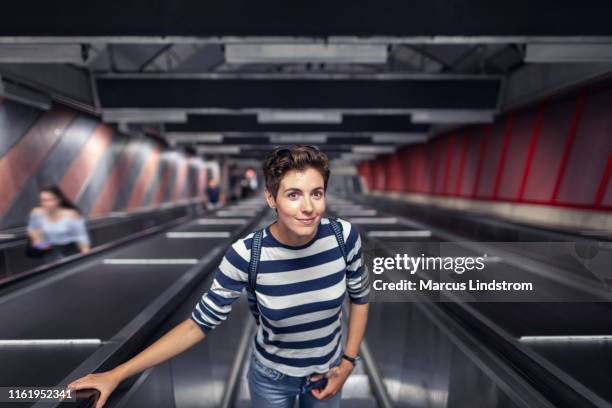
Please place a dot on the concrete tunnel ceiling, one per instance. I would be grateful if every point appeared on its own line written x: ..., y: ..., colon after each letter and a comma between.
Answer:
x: 227, y: 84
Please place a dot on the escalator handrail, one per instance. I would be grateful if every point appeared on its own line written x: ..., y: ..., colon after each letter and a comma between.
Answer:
x: 4, y: 283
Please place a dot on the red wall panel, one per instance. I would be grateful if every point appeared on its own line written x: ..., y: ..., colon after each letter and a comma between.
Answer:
x: 556, y: 153
x: 453, y: 163
x: 414, y: 169
x: 439, y: 164
x: 462, y: 150
x: 547, y: 155
x: 475, y: 137
x: 22, y: 161
x: 604, y: 193
x: 365, y: 170
x: 75, y: 179
x: 589, y: 153
x: 392, y: 173
x: 516, y: 155
x: 379, y: 174
x: 145, y: 179
x: 492, y: 154
x: 108, y: 194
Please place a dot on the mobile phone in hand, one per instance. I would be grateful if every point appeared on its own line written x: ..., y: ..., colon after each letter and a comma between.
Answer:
x: 321, y: 383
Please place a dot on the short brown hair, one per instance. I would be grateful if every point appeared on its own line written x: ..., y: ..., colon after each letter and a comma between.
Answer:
x: 296, y: 157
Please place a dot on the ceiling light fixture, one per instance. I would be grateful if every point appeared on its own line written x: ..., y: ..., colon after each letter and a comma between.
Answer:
x: 305, y: 53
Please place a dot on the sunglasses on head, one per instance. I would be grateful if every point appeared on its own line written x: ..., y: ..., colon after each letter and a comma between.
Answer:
x: 284, y: 150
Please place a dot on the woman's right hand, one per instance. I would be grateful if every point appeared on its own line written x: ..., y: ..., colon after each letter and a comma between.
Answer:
x: 105, y: 382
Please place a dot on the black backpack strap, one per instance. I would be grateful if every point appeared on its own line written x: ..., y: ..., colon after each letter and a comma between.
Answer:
x: 254, y: 261
x: 253, y: 266
x: 337, y: 228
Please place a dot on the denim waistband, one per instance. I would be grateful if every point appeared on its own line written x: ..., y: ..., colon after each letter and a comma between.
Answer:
x: 275, y: 374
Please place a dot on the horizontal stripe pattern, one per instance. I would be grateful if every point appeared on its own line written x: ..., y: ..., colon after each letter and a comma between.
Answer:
x: 300, y: 291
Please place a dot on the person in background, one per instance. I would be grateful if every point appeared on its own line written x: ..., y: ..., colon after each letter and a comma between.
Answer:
x: 213, y: 192
x: 57, y: 225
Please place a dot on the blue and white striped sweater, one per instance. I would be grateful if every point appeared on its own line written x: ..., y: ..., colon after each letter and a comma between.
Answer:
x: 300, y: 290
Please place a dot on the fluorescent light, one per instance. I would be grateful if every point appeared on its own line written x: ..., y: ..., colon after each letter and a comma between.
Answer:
x: 305, y: 53
x: 452, y: 116
x: 343, y: 206
x: 7, y: 236
x: 51, y: 342
x: 225, y: 221
x: 207, y: 234
x: 567, y: 338
x: 219, y: 149
x: 194, y: 137
x: 399, y: 138
x: 357, y: 213
x: 298, y: 138
x: 357, y: 156
x: 24, y: 95
x: 396, y: 234
x: 373, y: 149
x: 568, y: 53
x: 288, y: 116
x: 373, y: 220
x: 175, y: 261
x: 40, y: 54
x: 137, y: 115
x: 234, y: 213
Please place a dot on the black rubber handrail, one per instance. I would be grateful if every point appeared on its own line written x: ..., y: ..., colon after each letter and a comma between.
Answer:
x: 4, y: 283
x: 20, y: 233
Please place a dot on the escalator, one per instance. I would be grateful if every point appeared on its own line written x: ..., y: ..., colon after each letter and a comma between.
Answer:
x: 555, y: 351
x: 90, y: 315
x: 213, y: 373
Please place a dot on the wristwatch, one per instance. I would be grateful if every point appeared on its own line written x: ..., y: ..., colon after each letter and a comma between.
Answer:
x: 353, y: 360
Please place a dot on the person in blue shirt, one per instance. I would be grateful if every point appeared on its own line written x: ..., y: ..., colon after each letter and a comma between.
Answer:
x: 57, y: 226
x: 302, y: 280
x: 213, y: 193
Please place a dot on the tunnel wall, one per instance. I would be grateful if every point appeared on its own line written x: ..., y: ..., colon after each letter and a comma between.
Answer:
x: 99, y: 168
x: 548, y: 164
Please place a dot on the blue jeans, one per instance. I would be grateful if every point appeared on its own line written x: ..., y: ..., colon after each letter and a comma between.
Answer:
x: 270, y: 388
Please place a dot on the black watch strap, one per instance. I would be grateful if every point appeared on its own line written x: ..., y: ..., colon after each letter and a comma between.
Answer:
x: 353, y: 360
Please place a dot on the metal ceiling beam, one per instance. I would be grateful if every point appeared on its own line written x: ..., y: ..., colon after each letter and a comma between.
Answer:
x: 24, y: 95
x: 385, y: 40
x: 41, y: 54
x: 236, y: 18
x: 534, y: 82
x: 548, y: 53
x: 337, y: 94
x: 64, y: 83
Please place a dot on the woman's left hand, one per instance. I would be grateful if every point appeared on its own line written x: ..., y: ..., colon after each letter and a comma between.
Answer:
x: 336, y: 377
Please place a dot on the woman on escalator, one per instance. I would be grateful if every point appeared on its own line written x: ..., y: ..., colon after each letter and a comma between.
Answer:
x: 297, y: 273
x: 56, y: 229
